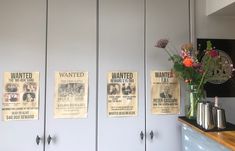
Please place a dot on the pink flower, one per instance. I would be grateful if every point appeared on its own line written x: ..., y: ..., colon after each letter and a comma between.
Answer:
x: 184, y: 54
x: 197, y: 65
x: 214, y: 53
x: 162, y: 43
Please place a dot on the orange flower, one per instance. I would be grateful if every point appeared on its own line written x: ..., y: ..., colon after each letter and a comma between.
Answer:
x: 188, y: 62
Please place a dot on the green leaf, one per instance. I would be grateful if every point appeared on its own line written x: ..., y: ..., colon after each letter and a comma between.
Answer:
x: 178, y: 67
x: 208, y: 45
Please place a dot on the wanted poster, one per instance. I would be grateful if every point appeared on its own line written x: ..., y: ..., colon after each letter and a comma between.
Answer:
x: 165, y: 93
x: 122, y: 94
x: 71, y: 95
x: 20, y: 96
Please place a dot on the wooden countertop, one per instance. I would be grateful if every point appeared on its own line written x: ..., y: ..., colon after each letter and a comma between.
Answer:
x: 226, y: 138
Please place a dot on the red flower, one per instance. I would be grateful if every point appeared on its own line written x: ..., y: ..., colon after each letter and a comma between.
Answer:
x: 214, y: 53
x: 188, y: 62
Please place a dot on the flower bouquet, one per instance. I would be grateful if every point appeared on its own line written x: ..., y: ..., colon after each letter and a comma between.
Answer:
x: 193, y: 68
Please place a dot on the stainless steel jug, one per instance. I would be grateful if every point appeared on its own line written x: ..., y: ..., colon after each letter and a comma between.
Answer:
x: 200, y: 113
x: 208, y: 122
x: 221, y: 119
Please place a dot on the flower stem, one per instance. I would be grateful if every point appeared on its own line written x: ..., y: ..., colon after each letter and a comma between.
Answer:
x: 169, y: 54
x: 204, y: 75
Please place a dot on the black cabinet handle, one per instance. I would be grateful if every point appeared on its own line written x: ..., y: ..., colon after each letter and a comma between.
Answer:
x: 151, y: 134
x: 38, y: 139
x: 49, y: 138
x: 141, y: 135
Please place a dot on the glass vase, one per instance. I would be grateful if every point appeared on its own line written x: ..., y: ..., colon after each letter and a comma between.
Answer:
x: 194, y: 96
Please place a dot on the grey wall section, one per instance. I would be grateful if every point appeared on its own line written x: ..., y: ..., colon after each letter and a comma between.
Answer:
x: 22, y: 49
x: 217, y: 27
x: 71, y: 47
x: 121, y: 48
x: 213, y: 26
x: 164, y: 19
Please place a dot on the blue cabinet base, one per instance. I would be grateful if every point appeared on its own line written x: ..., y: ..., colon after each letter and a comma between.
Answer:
x: 194, y: 141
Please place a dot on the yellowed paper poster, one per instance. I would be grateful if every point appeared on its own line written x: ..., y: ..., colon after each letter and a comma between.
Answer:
x: 122, y: 94
x: 165, y: 93
x: 20, y: 96
x: 71, y: 95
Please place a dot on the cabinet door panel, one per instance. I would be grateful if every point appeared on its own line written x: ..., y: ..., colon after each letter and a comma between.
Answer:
x: 71, y: 47
x: 121, y: 48
x: 164, y: 19
x: 22, y: 48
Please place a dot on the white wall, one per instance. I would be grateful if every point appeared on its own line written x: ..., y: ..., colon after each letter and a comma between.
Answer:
x: 215, y: 5
x: 217, y: 27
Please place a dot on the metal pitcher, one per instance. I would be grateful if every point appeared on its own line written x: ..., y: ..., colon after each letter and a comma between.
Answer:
x: 208, y: 122
x: 200, y: 113
x: 221, y: 119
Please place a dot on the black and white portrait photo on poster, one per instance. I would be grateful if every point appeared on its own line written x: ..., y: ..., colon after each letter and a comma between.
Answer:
x: 128, y: 88
x: 71, y: 89
x: 29, y: 91
x: 113, y: 89
x: 165, y: 93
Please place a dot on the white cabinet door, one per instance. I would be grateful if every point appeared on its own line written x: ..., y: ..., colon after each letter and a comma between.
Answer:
x: 164, y: 19
x: 22, y: 49
x: 121, y: 48
x: 71, y: 47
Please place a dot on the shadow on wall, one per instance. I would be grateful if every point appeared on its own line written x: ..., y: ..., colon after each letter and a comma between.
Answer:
x: 229, y: 105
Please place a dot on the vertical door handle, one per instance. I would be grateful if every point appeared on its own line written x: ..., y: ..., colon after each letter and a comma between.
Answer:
x: 38, y: 139
x: 151, y: 134
x: 141, y: 135
x: 49, y: 138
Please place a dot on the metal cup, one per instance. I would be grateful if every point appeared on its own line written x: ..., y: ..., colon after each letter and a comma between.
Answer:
x: 208, y: 122
x: 200, y: 113
x: 221, y: 119
x: 214, y: 113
